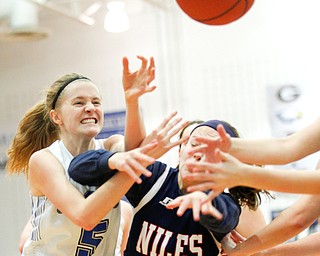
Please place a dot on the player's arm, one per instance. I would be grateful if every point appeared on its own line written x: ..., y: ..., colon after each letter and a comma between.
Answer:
x: 309, y: 245
x: 136, y: 84
x: 220, y: 216
x: 47, y: 177
x: 92, y: 167
x: 288, y: 224
x: 268, y: 151
x: 278, y: 150
x: 229, y: 172
x: 24, y: 235
x: 230, y: 211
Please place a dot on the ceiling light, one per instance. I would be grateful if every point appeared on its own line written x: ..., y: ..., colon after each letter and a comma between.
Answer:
x: 116, y: 20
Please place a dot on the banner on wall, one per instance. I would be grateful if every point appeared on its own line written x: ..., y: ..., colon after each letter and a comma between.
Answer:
x: 285, y: 105
x: 114, y: 123
x: 289, y: 111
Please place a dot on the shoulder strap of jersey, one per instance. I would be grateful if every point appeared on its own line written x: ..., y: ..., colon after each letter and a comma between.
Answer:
x: 155, y: 188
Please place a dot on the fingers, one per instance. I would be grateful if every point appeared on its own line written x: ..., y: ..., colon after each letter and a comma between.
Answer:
x: 236, y: 237
x: 144, y: 62
x: 125, y: 64
x: 213, y: 194
x: 134, y: 162
x: 219, y: 156
x: 170, y: 122
x: 207, y: 208
x: 196, y: 210
x: 135, y: 169
x: 174, y: 203
x: 167, y: 119
x: 196, y: 166
x: 171, y: 126
x: 182, y: 202
x: 194, y: 201
x: 132, y: 174
x: 177, y: 125
x: 178, y: 202
x: 201, y: 187
x: 151, y: 71
x: 147, y: 72
x: 146, y: 148
x: 201, y: 148
x: 222, y: 132
x: 182, y: 208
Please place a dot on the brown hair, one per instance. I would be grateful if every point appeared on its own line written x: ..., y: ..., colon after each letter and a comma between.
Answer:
x: 35, y: 130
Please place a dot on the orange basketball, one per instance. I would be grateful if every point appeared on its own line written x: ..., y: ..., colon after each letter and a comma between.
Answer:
x: 215, y: 12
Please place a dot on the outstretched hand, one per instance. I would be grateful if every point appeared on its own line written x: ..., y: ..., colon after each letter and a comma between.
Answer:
x: 138, y: 82
x: 134, y: 162
x: 164, y: 133
x: 208, y: 145
x: 197, y: 202
x: 225, y: 172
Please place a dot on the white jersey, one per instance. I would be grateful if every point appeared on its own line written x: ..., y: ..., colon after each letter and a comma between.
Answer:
x: 54, y: 234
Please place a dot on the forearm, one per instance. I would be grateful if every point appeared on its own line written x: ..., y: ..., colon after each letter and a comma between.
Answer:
x: 91, y: 168
x: 261, y: 151
x: 288, y: 224
x: 309, y: 245
x: 135, y: 131
x: 288, y: 181
x: 277, y: 151
x: 102, y: 201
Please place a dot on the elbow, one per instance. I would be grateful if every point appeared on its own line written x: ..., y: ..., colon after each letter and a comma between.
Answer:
x: 298, y: 222
x: 298, y: 225
x: 87, y: 223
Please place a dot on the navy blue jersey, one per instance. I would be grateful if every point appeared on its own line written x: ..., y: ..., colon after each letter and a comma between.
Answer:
x: 156, y: 230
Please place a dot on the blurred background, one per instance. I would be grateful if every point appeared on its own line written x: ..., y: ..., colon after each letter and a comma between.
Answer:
x: 260, y: 73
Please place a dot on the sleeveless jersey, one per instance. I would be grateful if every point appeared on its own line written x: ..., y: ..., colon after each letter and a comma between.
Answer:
x: 54, y: 234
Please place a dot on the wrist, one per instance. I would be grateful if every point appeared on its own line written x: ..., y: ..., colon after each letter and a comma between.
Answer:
x: 104, y: 162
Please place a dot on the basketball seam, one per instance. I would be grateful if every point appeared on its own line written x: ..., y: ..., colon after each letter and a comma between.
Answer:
x: 220, y: 15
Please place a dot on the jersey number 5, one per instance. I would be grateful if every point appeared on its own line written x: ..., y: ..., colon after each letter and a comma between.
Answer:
x: 89, y: 240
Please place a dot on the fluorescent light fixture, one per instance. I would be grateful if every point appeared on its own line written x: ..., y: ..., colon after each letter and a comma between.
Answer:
x: 116, y: 20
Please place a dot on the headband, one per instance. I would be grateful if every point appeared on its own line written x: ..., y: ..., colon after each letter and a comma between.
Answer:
x: 214, y: 123
x: 64, y: 85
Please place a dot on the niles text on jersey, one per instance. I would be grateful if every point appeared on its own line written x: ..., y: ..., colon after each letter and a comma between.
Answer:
x: 155, y: 239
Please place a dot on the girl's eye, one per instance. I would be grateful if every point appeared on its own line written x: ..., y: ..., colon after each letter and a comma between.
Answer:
x: 193, y: 144
x: 96, y: 103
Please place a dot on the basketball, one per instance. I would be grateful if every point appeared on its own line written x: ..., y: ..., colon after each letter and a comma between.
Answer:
x: 215, y: 12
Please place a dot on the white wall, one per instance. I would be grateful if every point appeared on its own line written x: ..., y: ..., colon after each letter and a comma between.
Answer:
x: 202, y: 71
